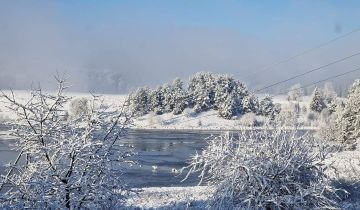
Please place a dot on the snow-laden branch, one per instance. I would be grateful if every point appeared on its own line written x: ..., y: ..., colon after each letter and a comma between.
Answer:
x: 73, y: 162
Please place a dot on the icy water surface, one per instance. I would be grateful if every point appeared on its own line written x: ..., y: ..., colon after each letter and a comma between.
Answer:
x: 167, y: 151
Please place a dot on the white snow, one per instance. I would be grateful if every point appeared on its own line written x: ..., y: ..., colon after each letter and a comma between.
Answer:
x: 162, y: 198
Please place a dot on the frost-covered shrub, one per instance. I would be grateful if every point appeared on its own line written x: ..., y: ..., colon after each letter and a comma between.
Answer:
x: 73, y: 163
x: 288, y: 115
x: 248, y: 120
x: 312, y: 117
x: 264, y: 170
x: 155, y: 119
x: 327, y: 129
x: 79, y: 107
x: 295, y: 93
x: 329, y: 93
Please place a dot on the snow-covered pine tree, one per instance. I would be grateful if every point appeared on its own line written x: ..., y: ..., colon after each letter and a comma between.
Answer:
x: 349, y: 121
x: 157, y: 101
x: 317, y: 102
x: 202, y: 91
x: 332, y: 106
x: 229, y: 107
x: 268, y: 108
x: 140, y: 101
x: 250, y: 103
x: 225, y: 85
x: 329, y: 93
x: 180, y: 98
x: 295, y: 93
x: 168, y: 94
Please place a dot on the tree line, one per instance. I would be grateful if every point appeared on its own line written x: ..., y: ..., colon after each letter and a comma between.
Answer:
x: 204, y: 91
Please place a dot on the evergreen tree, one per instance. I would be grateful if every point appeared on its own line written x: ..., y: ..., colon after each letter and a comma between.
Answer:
x: 158, y: 101
x: 332, y: 106
x: 202, y: 91
x: 180, y: 98
x: 168, y: 94
x: 140, y: 101
x: 225, y: 85
x: 349, y: 121
x: 317, y: 102
x: 250, y: 103
x: 229, y: 107
x: 268, y: 108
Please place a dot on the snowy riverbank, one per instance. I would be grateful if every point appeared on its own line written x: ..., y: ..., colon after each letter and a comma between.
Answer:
x: 188, y: 120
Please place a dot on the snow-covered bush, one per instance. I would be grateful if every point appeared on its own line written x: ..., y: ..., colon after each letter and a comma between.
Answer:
x: 312, y: 116
x: 288, y: 115
x: 265, y: 170
x: 295, y: 93
x: 79, y: 107
x: 328, y: 130
x: 248, y: 120
x: 329, y: 93
x: 317, y: 103
x: 349, y: 120
x: 71, y: 163
x: 155, y: 119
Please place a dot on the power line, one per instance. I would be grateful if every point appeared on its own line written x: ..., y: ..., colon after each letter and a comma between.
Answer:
x: 303, y: 52
x: 308, y: 72
x: 320, y: 81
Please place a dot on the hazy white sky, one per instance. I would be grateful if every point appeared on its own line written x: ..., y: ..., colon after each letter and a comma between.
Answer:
x: 98, y: 43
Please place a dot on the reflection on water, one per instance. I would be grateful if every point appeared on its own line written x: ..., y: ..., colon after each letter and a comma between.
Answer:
x: 168, y: 151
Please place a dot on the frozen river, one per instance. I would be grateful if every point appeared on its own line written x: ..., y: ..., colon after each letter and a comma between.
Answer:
x: 167, y: 150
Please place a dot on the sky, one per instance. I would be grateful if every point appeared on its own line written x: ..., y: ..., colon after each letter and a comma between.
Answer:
x: 117, y: 46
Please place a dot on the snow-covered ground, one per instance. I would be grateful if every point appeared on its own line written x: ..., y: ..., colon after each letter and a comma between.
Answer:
x: 188, y: 120
x: 163, y: 198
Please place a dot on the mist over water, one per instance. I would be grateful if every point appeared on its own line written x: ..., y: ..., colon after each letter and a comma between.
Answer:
x: 116, y: 47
